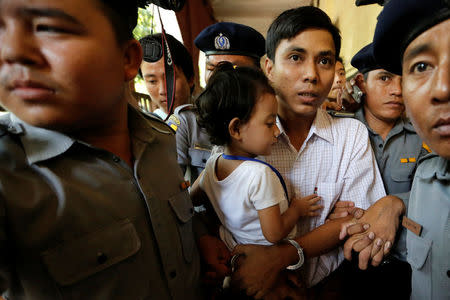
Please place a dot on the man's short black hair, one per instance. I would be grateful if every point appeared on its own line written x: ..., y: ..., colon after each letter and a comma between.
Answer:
x: 123, y: 16
x: 291, y: 22
x: 180, y: 55
x: 231, y: 92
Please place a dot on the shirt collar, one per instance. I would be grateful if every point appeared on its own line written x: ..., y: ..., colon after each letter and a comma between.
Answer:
x: 40, y: 144
x: 321, y: 127
x: 400, y: 125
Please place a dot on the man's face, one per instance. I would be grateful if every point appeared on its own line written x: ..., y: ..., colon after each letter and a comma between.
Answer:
x: 61, y: 66
x: 156, y: 86
x: 237, y: 60
x: 339, y: 80
x: 303, y: 72
x: 383, y: 99
x: 426, y: 86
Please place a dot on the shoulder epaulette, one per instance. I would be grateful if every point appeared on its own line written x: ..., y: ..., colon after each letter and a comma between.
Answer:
x: 157, y: 123
x: 174, y: 119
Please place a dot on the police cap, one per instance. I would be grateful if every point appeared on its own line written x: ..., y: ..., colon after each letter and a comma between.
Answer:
x: 364, y: 60
x: 226, y: 38
x: 399, y: 23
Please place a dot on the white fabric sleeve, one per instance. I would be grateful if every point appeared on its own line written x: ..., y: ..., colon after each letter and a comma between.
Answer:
x: 265, y: 189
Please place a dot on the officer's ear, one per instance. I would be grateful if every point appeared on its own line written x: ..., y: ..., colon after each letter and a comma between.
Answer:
x: 360, y: 82
x: 234, y: 129
x: 132, y: 59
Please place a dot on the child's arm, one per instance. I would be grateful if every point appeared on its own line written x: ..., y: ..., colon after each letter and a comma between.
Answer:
x: 276, y: 227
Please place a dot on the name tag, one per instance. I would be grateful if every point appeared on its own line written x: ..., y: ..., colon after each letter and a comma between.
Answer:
x: 412, y: 226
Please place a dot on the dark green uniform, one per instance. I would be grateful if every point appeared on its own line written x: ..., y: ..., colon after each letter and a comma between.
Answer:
x: 78, y: 223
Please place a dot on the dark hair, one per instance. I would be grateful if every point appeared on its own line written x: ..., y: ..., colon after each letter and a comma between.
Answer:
x: 339, y: 59
x: 291, y: 22
x: 123, y: 17
x: 230, y: 93
x: 180, y: 55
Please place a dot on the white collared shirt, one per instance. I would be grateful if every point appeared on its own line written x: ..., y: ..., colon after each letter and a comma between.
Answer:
x: 337, y: 159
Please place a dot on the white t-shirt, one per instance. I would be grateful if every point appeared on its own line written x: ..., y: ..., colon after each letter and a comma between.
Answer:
x: 252, y: 186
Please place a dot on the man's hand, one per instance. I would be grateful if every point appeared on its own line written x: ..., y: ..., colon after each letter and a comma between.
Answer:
x: 374, y: 244
x: 341, y: 209
x: 258, y: 268
x: 216, y: 256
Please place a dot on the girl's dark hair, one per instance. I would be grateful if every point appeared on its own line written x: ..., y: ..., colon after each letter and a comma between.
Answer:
x: 230, y: 93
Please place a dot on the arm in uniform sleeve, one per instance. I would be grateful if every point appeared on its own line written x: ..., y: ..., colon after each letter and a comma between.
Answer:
x: 182, y: 139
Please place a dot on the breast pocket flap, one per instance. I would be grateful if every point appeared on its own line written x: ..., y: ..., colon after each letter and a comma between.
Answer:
x: 78, y: 259
x: 418, y: 250
x: 182, y: 206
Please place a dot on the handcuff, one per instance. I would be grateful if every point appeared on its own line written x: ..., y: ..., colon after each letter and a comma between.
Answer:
x: 301, y: 256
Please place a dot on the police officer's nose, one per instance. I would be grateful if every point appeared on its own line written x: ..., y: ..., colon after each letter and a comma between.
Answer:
x: 17, y: 47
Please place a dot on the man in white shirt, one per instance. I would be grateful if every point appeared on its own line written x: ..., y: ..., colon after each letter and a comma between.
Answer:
x: 316, y: 153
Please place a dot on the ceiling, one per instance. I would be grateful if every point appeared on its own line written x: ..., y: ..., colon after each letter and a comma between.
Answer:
x: 254, y: 13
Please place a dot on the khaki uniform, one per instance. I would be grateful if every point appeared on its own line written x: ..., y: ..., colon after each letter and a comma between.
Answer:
x: 78, y: 223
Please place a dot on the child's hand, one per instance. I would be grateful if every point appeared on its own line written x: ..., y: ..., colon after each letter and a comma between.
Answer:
x: 307, y: 206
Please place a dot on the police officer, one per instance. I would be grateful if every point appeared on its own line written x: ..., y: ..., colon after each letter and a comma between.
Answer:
x: 412, y: 39
x: 225, y: 41
x: 236, y: 43
x: 397, y: 149
x: 93, y: 204
x: 153, y: 72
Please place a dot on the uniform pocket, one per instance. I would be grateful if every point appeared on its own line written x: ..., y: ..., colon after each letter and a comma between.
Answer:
x: 403, y: 174
x: 199, y: 157
x: 418, y: 250
x: 78, y: 259
x: 184, y: 210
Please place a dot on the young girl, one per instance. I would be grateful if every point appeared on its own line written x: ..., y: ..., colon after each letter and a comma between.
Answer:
x: 238, y: 109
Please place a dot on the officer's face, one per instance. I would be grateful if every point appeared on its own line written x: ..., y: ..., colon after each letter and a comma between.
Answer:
x: 54, y: 72
x: 339, y: 80
x: 155, y: 82
x: 237, y: 60
x: 426, y: 86
x: 383, y: 100
x: 302, y: 72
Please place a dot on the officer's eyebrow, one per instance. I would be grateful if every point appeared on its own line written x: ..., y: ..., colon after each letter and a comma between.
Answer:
x: 419, y: 49
x: 49, y: 12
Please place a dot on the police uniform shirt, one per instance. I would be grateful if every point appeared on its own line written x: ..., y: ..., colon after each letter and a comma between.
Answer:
x: 193, y: 145
x: 79, y: 223
x: 396, y: 157
x: 429, y: 252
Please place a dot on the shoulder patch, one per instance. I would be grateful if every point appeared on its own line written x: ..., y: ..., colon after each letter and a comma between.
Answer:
x: 173, y: 122
x: 426, y: 147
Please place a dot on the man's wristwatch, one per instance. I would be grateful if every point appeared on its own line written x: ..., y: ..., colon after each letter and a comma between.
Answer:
x: 301, y: 257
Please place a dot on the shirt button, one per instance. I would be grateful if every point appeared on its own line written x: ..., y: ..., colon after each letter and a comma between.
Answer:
x: 116, y: 159
x: 173, y: 274
x: 204, y: 160
x: 101, y: 258
x: 448, y: 273
x: 380, y: 145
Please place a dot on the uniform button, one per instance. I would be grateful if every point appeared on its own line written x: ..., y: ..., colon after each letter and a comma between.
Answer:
x: 101, y: 258
x: 448, y: 273
x: 116, y: 159
x: 380, y: 145
x: 173, y: 274
x: 204, y: 160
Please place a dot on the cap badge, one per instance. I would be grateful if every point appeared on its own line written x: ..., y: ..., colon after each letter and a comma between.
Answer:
x: 221, y: 42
